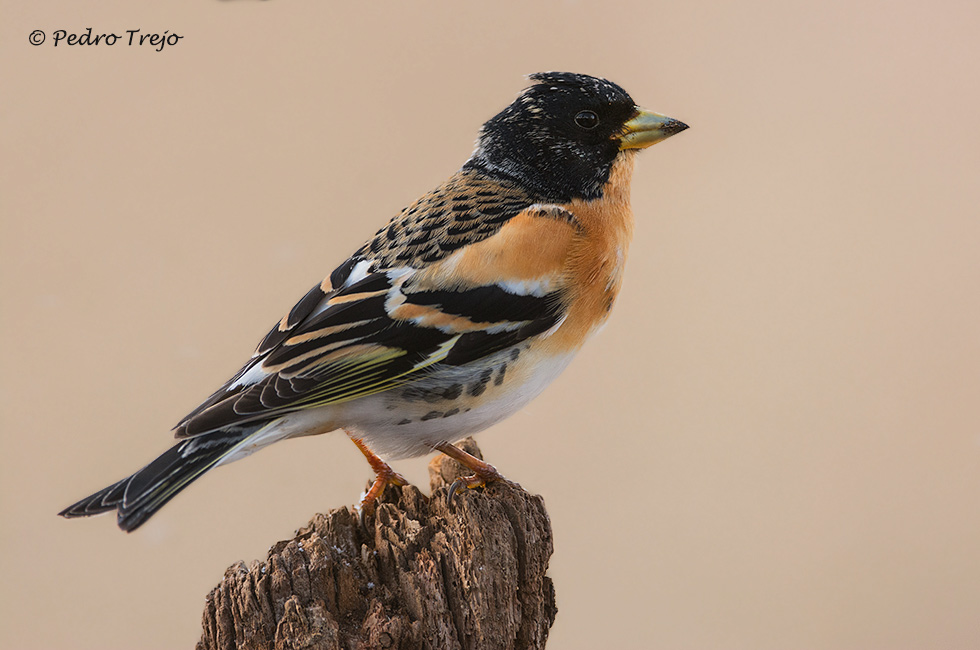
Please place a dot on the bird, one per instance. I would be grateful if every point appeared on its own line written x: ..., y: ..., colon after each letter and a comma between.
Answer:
x: 453, y: 316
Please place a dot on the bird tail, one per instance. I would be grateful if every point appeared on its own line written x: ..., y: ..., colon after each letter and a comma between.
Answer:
x: 139, y: 496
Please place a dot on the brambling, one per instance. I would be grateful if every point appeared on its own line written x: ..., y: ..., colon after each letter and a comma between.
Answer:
x: 457, y: 313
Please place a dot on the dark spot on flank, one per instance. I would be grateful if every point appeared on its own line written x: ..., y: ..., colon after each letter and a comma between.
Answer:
x: 500, y: 375
x: 453, y: 391
x: 479, y: 387
x: 414, y: 394
x: 451, y: 413
x: 431, y: 415
x: 514, y: 354
x: 405, y: 421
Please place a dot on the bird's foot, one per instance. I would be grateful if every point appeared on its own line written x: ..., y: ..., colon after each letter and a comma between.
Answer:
x: 369, y: 501
x: 473, y: 481
x: 483, y: 472
x: 383, y: 477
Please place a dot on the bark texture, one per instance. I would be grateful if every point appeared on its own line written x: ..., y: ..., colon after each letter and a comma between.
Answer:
x: 421, y: 575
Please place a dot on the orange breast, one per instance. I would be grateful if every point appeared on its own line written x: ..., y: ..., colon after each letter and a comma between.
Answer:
x: 597, y: 259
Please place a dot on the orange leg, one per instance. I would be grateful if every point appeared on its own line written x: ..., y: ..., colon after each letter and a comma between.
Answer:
x: 483, y: 472
x: 383, y: 475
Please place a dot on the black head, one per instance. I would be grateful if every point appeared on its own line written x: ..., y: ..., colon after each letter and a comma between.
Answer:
x: 560, y: 136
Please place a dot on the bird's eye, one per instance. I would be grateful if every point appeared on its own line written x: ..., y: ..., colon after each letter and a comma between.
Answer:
x: 587, y: 120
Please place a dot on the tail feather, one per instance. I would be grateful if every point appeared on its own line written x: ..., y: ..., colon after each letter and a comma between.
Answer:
x: 139, y: 496
x: 102, y: 501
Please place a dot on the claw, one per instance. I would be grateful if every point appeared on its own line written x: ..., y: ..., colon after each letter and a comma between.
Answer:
x: 362, y: 520
x: 468, y: 483
x: 483, y: 472
x: 453, y: 491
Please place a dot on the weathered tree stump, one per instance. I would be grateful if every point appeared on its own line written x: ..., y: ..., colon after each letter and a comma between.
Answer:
x: 423, y: 575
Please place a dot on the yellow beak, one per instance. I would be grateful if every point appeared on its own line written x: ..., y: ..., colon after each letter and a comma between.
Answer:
x: 646, y: 128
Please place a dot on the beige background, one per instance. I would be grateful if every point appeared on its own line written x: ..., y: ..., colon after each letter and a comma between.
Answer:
x: 775, y: 442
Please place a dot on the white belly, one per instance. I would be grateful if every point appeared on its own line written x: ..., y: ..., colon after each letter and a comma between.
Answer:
x: 446, y: 405
x: 409, y: 421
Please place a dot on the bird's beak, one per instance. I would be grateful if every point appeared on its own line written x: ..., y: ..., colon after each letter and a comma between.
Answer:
x: 646, y: 128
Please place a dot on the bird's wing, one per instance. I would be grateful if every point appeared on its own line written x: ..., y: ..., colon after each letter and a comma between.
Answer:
x: 382, y: 326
